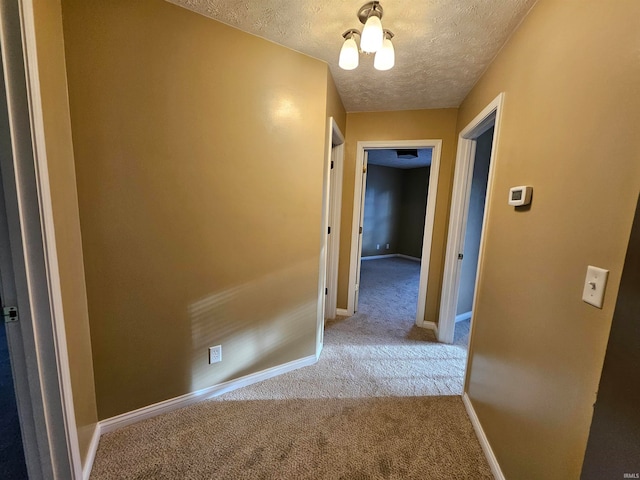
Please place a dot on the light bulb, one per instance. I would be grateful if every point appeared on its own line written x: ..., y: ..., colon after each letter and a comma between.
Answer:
x: 385, y: 57
x: 372, y: 35
x: 348, y: 54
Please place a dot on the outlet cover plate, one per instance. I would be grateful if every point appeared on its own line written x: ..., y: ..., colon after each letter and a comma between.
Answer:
x: 215, y: 354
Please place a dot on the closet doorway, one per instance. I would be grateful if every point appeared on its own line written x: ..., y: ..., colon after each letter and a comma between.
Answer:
x: 472, y: 189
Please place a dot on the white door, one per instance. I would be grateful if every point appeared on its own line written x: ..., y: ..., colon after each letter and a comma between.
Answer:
x: 361, y: 224
x: 329, y: 306
x: 333, y: 235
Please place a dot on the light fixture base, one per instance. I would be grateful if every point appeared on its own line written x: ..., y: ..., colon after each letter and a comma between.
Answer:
x: 368, y: 9
x: 349, y: 33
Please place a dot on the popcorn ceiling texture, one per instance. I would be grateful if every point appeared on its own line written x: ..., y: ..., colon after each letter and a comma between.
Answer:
x: 442, y: 46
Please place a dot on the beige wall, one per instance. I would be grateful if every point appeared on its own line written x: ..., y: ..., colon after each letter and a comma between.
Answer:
x: 571, y: 112
x: 402, y: 125
x: 335, y: 108
x: 59, y: 150
x: 199, y: 157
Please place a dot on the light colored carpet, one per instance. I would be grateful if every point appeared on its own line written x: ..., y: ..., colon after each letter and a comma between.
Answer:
x: 372, y: 408
x: 379, y: 352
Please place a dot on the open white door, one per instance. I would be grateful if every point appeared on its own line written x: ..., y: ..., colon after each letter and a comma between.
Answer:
x: 333, y: 228
x: 332, y: 191
x: 361, y: 224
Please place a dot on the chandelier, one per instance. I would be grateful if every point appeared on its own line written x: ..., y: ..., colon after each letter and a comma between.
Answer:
x: 373, y: 39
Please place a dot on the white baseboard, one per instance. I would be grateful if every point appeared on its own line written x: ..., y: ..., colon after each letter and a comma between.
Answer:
x: 391, y: 255
x: 463, y: 316
x: 415, y: 259
x: 482, y: 438
x: 119, y: 421
x: 91, y: 454
x: 343, y: 312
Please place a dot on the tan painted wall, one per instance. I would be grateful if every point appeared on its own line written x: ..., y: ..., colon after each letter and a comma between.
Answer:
x: 59, y: 150
x: 335, y: 108
x: 571, y: 113
x: 401, y: 125
x: 199, y: 157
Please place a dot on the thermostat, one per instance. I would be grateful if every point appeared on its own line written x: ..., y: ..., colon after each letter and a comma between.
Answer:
x: 519, y: 196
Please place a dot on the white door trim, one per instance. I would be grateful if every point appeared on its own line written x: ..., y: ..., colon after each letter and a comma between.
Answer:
x: 331, y: 194
x: 489, y: 116
x: 52, y: 449
x: 354, y: 259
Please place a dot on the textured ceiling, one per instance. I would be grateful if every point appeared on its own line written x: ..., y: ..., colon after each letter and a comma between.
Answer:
x: 389, y: 158
x: 442, y: 46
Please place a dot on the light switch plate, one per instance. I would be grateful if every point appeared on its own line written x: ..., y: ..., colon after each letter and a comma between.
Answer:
x: 594, y: 286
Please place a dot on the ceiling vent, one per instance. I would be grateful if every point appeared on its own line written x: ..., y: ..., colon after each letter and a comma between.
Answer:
x: 407, y: 154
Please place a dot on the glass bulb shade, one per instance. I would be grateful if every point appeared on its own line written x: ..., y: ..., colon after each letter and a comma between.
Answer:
x: 372, y: 35
x: 385, y: 57
x: 349, y: 54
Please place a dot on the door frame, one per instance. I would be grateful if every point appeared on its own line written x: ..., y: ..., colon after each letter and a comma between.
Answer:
x: 39, y: 359
x: 355, y: 253
x: 336, y: 158
x: 488, y: 117
x: 330, y: 243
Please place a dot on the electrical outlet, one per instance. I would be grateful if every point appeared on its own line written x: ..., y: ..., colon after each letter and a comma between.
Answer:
x: 377, y: 246
x: 215, y: 354
x: 387, y: 246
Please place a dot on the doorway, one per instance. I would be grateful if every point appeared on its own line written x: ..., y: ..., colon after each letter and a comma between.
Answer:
x: 394, y: 209
x: 473, y: 233
x: 330, y: 230
x: 335, y: 167
x: 471, y: 192
x: 28, y: 260
x: 12, y: 461
x: 364, y: 150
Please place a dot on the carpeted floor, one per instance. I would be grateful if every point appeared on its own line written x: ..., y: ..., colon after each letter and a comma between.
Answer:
x: 379, y: 352
x: 383, y: 402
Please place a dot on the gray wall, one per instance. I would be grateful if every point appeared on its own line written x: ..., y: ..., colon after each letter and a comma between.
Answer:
x: 394, y: 210
x: 474, y: 222
x: 415, y: 183
x: 382, y: 205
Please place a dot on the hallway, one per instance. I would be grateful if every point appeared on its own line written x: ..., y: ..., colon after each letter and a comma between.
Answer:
x: 382, y: 388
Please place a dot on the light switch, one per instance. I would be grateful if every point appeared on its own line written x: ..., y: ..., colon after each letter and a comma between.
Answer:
x: 594, y: 286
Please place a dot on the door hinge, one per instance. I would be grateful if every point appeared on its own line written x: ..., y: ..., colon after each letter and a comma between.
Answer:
x: 329, y: 230
x: 10, y: 314
x: 332, y: 164
x: 460, y: 256
x: 326, y: 291
x: 364, y: 169
x: 360, y: 230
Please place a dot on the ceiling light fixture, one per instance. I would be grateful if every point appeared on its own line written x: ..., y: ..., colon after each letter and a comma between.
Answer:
x: 373, y: 39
